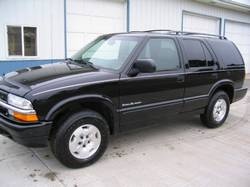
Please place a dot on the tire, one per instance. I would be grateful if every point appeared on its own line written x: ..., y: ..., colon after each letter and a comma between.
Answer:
x: 81, y: 139
x: 217, y: 110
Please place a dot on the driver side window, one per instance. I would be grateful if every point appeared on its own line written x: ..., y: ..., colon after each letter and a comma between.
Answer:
x: 163, y: 52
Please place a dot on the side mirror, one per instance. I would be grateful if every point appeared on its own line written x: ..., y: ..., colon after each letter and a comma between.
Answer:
x: 142, y: 66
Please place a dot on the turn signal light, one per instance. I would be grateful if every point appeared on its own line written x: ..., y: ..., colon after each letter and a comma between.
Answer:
x: 25, y: 117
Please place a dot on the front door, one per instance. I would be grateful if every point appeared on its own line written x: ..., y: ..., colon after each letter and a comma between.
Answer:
x: 149, y: 97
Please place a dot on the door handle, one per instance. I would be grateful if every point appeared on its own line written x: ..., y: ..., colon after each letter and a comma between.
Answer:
x: 180, y: 79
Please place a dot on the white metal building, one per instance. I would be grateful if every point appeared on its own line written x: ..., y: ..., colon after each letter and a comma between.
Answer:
x: 34, y: 32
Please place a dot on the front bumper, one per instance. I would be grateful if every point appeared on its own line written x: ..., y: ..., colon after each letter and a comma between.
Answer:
x: 30, y: 135
x: 239, y: 94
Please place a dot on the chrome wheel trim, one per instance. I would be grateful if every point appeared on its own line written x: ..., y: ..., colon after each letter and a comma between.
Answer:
x: 220, y: 109
x: 85, y: 141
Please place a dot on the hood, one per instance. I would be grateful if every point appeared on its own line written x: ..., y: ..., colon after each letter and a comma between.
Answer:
x: 22, y: 81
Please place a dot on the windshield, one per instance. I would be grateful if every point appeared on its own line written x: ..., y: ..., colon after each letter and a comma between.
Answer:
x: 108, y: 52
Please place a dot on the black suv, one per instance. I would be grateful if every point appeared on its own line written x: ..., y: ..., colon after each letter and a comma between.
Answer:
x: 116, y: 83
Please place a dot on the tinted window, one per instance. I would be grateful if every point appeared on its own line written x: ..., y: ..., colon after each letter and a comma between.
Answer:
x: 208, y: 56
x: 195, y: 53
x: 163, y: 52
x: 227, y: 52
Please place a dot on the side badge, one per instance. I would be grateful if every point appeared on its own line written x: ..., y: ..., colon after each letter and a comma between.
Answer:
x: 131, y: 104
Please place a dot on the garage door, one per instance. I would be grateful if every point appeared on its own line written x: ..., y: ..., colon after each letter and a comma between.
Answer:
x: 239, y: 33
x: 201, y: 24
x: 87, y: 19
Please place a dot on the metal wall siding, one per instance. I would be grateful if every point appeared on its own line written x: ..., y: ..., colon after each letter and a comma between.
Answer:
x: 87, y: 19
x: 240, y: 34
x: 167, y: 14
x: 46, y: 15
x: 202, y: 24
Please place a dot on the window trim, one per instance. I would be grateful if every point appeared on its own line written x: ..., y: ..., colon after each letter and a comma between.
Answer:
x: 194, y: 69
x: 23, y: 57
x: 180, y: 69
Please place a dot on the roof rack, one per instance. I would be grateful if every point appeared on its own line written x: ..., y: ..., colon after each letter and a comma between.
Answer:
x: 186, y: 33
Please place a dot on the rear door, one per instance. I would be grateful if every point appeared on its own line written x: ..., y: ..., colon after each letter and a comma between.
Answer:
x: 149, y: 97
x: 201, y: 72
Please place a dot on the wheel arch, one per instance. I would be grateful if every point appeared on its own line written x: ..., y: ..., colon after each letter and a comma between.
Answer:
x: 224, y: 85
x: 97, y: 103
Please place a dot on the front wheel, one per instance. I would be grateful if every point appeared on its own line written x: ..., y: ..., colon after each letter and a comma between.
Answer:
x: 217, y: 110
x: 81, y: 139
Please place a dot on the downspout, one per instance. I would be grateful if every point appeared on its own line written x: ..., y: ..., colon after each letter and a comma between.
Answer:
x: 65, y: 28
x: 182, y: 21
x: 128, y: 15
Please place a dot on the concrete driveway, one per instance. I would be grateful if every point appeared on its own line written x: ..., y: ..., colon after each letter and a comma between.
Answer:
x: 180, y: 153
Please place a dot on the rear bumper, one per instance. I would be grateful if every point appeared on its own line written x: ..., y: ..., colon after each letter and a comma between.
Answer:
x: 239, y: 94
x: 30, y: 135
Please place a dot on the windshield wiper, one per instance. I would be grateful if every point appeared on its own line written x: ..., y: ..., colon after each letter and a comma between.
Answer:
x: 69, y: 60
x: 85, y: 62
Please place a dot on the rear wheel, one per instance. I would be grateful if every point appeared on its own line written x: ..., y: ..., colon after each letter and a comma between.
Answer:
x: 217, y: 110
x: 81, y: 139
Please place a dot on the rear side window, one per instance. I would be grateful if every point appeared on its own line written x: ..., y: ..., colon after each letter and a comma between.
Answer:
x: 227, y: 52
x: 195, y: 53
x: 164, y: 53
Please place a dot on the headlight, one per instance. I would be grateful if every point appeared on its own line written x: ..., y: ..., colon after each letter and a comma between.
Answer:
x: 19, y: 102
x: 22, y: 109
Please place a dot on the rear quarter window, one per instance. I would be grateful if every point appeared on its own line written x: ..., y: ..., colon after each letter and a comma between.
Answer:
x: 227, y: 52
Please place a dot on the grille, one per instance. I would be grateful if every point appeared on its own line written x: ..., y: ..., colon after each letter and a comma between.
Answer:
x: 3, y: 96
x: 3, y: 111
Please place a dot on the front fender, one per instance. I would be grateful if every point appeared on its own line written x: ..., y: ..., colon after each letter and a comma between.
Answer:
x: 82, y: 98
